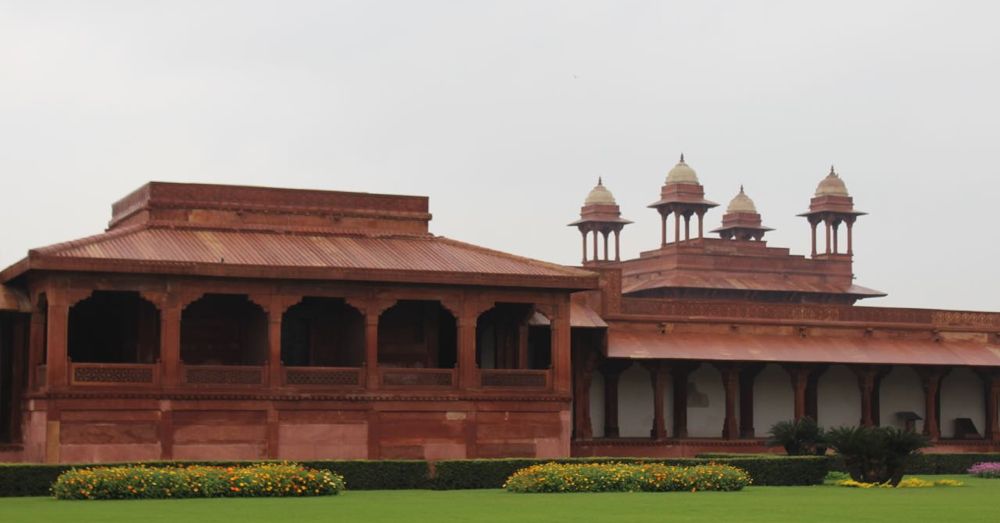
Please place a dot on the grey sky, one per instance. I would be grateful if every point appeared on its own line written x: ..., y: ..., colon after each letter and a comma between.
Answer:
x: 505, y: 113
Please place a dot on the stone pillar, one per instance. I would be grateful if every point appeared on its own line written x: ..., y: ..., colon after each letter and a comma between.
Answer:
x: 612, y: 371
x: 170, y: 343
x: 680, y: 374
x: 799, y: 375
x: 605, y: 234
x: 663, y: 230
x: 275, y: 313
x: 731, y: 388
x: 658, y: 378
x: 867, y: 379
x: 747, y: 377
x: 371, y: 350
x: 561, y: 343
x: 701, y: 226
x: 583, y: 370
x: 992, y: 383
x: 618, y: 245
x: 836, y: 237
x: 36, y: 346
x: 468, y: 377
x: 687, y: 226
x: 583, y: 234
x: 812, y: 225
x: 56, y: 358
x: 677, y: 227
x: 595, y: 257
x: 931, y: 377
x: 850, y: 237
x: 829, y: 237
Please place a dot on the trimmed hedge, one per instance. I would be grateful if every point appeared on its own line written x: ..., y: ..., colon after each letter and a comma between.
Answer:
x: 765, y: 470
x: 27, y: 479
x: 142, y: 482
x: 625, y: 477
x: 933, y: 463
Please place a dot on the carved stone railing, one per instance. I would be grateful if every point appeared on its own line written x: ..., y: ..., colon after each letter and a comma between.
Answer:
x: 324, y: 376
x: 417, y: 378
x: 515, y: 379
x: 135, y: 374
x: 224, y: 375
x: 810, y: 312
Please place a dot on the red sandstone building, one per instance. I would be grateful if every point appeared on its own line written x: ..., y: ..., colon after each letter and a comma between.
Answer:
x: 215, y: 322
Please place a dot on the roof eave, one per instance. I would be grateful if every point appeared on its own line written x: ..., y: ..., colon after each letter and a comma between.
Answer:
x: 589, y: 281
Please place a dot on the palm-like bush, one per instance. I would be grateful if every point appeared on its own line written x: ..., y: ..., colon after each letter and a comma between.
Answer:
x: 802, y: 437
x: 876, y: 454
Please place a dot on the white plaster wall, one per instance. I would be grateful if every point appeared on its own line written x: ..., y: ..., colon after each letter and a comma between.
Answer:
x: 962, y: 397
x: 707, y: 412
x: 597, y: 404
x: 838, y: 398
x: 773, y: 399
x: 900, y: 391
x: 635, y: 403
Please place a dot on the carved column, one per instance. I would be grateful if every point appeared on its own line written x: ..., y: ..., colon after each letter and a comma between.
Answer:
x: 560, y: 331
x: 612, y: 371
x: 680, y: 375
x: 850, y: 237
x: 748, y: 375
x: 36, y: 345
x: 583, y: 367
x: 731, y: 388
x: 701, y: 226
x: 992, y: 403
x: 829, y: 237
x: 605, y: 234
x: 867, y: 379
x: 836, y: 237
x: 583, y: 234
x: 812, y: 225
x: 595, y: 257
x: 663, y: 230
x: 931, y: 377
x: 658, y: 378
x: 618, y: 245
x: 687, y: 226
x: 799, y: 375
x: 57, y: 330
x: 677, y: 227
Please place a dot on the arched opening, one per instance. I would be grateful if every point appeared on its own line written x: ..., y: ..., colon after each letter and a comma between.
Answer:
x: 838, y: 398
x: 417, y: 334
x: 114, y: 327
x: 773, y: 398
x: 322, y: 332
x: 901, y: 394
x: 635, y: 403
x: 706, y: 402
x: 513, y: 336
x: 962, y: 404
x: 224, y: 329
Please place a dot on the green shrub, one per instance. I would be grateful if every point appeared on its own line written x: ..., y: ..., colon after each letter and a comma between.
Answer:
x: 876, y: 454
x: 141, y: 482
x: 801, y: 437
x: 377, y: 474
x: 625, y: 477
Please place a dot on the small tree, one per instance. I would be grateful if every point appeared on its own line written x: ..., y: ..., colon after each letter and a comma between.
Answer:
x: 876, y: 454
x: 802, y: 437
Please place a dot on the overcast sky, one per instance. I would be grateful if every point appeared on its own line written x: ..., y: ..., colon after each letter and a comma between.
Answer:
x: 506, y: 112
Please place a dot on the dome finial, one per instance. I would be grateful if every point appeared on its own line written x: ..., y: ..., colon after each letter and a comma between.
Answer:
x: 741, y: 189
x: 600, y: 180
x: 682, y: 157
x: 832, y: 172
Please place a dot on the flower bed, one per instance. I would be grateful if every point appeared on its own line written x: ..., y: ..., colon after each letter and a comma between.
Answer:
x: 989, y: 470
x: 140, y: 482
x: 624, y: 477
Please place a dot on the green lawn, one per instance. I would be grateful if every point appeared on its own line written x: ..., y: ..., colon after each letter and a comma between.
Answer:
x: 978, y: 501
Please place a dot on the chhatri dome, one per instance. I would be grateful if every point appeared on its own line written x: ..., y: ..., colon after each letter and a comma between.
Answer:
x: 832, y: 185
x: 682, y: 173
x: 741, y: 204
x: 600, y: 195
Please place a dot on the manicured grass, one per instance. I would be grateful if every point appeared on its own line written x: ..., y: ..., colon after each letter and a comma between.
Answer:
x: 978, y: 501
